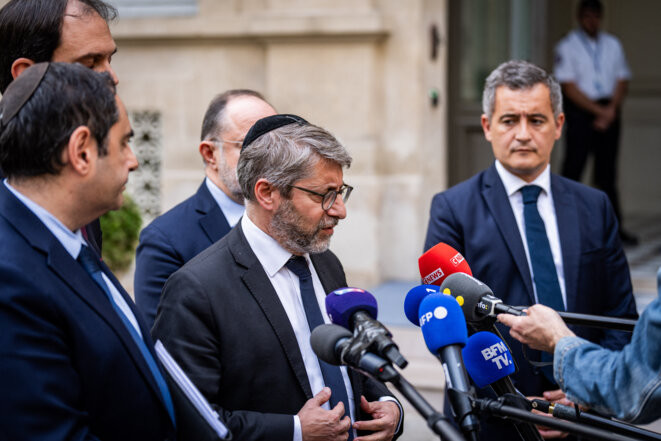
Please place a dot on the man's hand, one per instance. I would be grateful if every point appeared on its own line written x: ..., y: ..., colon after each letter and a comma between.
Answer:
x: 541, y: 329
x: 318, y: 424
x: 385, y: 416
x: 605, y: 118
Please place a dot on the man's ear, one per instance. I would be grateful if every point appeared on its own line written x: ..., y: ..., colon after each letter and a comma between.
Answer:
x: 81, y: 150
x: 267, y: 196
x: 486, y: 127
x: 206, y: 151
x: 19, y: 65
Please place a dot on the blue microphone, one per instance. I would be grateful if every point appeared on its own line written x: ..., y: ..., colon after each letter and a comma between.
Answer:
x: 444, y: 330
x: 487, y: 359
x: 356, y: 310
x: 413, y: 299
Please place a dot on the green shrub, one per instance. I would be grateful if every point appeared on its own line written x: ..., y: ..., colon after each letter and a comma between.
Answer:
x: 120, y: 235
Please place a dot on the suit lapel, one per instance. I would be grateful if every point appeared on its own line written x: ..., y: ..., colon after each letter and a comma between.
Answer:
x: 493, y: 192
x: 72, y: 274
x: 262, y: 290
x: 566, y: 215
x: 212, y: 219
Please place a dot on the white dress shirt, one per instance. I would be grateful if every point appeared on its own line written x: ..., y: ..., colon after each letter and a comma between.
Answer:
x: 593, y: 65
x: 513, y: 185
x: 72, y: 242
x: 230, y: 209
x: 286, y: 284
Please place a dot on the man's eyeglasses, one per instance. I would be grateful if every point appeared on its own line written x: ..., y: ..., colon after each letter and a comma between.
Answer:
x: 226, y: 141
x: 328, y: 199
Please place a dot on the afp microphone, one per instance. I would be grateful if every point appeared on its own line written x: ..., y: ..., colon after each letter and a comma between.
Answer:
x: 440, y: 261
x: 356, y: 310
x: 444, y: 330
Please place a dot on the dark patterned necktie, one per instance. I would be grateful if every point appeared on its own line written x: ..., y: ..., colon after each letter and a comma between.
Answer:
x: 332, y: 374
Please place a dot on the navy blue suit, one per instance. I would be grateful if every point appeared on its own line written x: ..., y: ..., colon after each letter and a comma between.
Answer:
x: 476, y: 218
x: 170, y: 241
x: 69, y: 369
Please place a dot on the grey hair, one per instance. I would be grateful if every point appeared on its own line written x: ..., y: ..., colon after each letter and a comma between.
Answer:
x: 516, y: 75
x: 286, y: 155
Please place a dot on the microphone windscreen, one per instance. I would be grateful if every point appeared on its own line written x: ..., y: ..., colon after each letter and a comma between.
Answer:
x: 342, y: 303
x: 442, y: 322
x: 468, y: 291
x: 487, y: 358
x: 439, y: 261
x: 324, y: 340
x: 413, y: 299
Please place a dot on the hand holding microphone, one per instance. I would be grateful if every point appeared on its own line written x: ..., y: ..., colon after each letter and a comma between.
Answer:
x: 540, y: 329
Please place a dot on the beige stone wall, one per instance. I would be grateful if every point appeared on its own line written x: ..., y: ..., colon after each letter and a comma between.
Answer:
x: 360, y: 68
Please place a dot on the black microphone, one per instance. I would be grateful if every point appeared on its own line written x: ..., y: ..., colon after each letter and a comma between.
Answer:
x: 335, y: 345
x: 445, y: 333
x: 478, y: 302
x: 356, y: 309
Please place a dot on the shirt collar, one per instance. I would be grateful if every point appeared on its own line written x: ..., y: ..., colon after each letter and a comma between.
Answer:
x: 514, y: 183
x: 269, y: 252
x: 230, y: 208
x: 71, y: 241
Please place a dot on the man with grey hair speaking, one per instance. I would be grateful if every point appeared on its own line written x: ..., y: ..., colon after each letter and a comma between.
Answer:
x: 533, y: 236
x: 238, y: 316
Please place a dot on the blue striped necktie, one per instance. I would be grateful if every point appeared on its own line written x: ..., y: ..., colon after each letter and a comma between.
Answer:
x: 332, y: 374
x: 90, y: 263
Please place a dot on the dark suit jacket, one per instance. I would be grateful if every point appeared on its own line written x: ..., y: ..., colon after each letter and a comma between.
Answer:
x: 69, y: 369
x: 476, y: 218
x: 222, y: 320
x: 171, y: 240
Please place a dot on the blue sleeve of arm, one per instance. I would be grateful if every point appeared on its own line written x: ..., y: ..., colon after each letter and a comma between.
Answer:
x: 626, y: 383
x: 442, y: 225
x: 155, y: 261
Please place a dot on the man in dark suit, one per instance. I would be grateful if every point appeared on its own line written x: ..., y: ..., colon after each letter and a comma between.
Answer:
x: 180, y: 234
x: 77, y: 359
x: 70, y: 31
x: 238, y: 316
x: 559, y: 246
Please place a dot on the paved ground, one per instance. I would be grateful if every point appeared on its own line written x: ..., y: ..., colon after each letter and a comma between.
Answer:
x: 425, y: 372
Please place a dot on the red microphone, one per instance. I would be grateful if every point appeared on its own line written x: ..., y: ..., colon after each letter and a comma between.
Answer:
x: 440, y: 261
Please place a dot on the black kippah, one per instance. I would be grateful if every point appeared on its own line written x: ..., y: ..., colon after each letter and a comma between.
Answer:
x: 269, y: 123
x: 20, y: 90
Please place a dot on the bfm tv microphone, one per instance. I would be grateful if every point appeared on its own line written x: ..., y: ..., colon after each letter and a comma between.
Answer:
x: 488, y: 360
x: 444, y: 330
x: 413, y: 299
x: 356, y: 310
x: 489, y: 363
x: 439, y: 261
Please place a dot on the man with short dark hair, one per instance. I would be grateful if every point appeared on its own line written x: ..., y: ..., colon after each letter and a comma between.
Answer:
x: 180, y: 234
x: 77, y: 359
x: 238, y: 316
x: 533, y: 236
x: 70, y: 31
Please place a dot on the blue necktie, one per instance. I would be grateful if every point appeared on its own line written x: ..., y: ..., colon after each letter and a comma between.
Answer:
x: 91, y: 264
x: 545, y: 275
x: 332, y: 374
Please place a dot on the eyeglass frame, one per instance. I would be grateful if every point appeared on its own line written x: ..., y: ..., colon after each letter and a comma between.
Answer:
x: 343, y: 189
